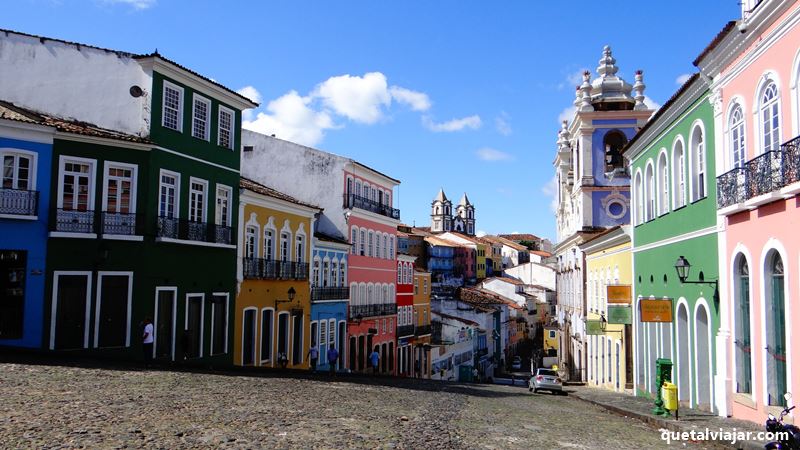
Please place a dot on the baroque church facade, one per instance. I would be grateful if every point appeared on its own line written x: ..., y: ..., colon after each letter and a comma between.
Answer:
x: 593, y: 189
x: 444, y: 218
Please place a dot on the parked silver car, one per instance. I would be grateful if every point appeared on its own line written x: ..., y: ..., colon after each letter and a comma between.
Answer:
x: 546, y: 380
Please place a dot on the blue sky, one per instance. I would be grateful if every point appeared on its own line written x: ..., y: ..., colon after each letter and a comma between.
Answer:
x: 464, y: 95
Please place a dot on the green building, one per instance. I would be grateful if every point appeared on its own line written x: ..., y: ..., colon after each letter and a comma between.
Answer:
x: 674, y: 216
x: 143, y: 224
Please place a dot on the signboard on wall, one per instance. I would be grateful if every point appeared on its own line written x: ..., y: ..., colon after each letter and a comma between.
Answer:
x: 619, y: 294
x: 593, y: 328
x: 619, y: 315
x: 656, y: 310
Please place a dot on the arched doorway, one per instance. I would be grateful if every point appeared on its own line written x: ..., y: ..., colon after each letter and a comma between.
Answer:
x: 684, y: 369
x: 776, y: 330
x: 741, y: 311
x: 702, y: 353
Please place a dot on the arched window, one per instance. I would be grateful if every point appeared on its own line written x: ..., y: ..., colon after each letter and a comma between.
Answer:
x: 663, y: 184
x: 678, y: 175
x: 370, y: 244
x: 353, y: 240
x: 613, y: 142
x: 649, y: 193
x: 315, y: 272
x: 335, y: 273
x: 358, y: 188
x: 769, y: 118
x: 776, y: 331
x: 737, y: 141
x: 698, y: 164
x: 385, y: 245
x: 269, y: 244
x: 639, y: 194
x: 742, y: 323
x: 378, y: 245
x: 251, y: 240
x: 399, y: 272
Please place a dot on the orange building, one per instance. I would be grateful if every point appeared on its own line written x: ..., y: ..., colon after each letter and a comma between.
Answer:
x: 421, y: 341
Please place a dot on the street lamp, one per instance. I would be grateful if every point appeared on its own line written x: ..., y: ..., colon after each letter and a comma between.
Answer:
x: 682, y: 266
x: 290, y: 294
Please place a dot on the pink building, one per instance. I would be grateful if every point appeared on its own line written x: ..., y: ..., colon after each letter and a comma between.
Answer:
x: 753, y: 66
x: 371, y: 269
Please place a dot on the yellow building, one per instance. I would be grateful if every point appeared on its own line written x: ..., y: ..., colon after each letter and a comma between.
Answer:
x: 480, y: 271
x: 608, y: 326
x: 422, y: 321
x: 273, y: 304
x: 550, y: 339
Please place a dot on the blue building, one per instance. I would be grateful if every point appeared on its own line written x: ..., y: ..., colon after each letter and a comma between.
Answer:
x: 26, y: 147
x: 441, y: 259
x: 329, y: 296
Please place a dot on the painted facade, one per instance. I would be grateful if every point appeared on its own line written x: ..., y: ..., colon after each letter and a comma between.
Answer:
x: 754, y: 67
x: 421, y: 342
x: 26, y: 156
x: 330, y: 294
x: 273, y: 305
x: 610, y: 354
x: 405, y: 314
x: 674, y: 215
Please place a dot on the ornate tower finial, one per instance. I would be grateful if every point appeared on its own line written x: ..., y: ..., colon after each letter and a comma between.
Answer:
x: 607, y: 64
x: 638, y: 88
x: 586, y: 93
x: 578, y: 96
x: 563, y: 136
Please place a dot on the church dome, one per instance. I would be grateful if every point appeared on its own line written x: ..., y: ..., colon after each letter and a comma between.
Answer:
x: 609, y: 91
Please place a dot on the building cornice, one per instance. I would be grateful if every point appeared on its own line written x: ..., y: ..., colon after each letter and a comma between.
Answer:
x: 248, y: 197
x: 66, y: 136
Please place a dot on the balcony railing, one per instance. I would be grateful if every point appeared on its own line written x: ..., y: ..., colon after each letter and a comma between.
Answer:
x: 381, y: 309
x: 126, y: 224
x: 405, y: 330
x: 74, y: 221
x: 329, y: 293
x: 189, y: 230
x: 422, y: 330
x: 761, y: 175
x: 355, y: 201
x: 18, y: 202
x: 265, y: 269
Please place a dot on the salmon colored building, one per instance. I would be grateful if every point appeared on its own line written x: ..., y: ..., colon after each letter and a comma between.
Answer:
x: 754, y: 66
x: 371, y: 271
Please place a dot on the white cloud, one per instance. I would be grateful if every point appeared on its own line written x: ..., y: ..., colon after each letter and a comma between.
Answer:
x: 291, y: 117
x: 551, y: 190
x: 501, y: 124
x: 360, y: 99
x: 418, y: 101
x: 567, y: 114
x: 136, y: 4
x: 490, y: 154
x: 473, y: 122
x: 651, y: 104
x: 253, y: 94
x: 572, y: 79
x: 682, y: 79
x: 480, y: 233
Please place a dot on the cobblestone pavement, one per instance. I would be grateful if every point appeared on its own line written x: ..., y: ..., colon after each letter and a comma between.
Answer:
x: 69, y: 407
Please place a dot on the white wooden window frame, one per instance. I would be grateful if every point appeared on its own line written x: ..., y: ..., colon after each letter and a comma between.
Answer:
x: 177, y: 186
x: 54, y: 305
x: 226, y: 310
x: 232, y: 127
x: 107, y: 166
x: 174, y: 291
x: 202, y: 297
x: 99, y: 301
x: 207, y: 121
x: 204, y: 192
x: 227, y: 219
x: 15, y: 152
x: 168, y: 85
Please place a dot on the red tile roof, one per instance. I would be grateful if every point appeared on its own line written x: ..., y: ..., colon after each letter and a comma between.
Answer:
x: 520, y: 237
x: 251, y: 185
x: 714, y: 42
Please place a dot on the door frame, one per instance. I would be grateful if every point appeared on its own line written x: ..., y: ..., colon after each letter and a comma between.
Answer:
x: 54, y: 305
x: 256, y: 336
x: 227, y: 296
x: 202, y: 297
x: 99, y: 300
x: 174, y: 290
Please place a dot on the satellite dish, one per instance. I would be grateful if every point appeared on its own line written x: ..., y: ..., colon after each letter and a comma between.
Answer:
x: 136, y: 91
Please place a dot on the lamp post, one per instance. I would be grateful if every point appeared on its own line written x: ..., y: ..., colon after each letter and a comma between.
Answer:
x: 683, y: 266
x: 290, y: 295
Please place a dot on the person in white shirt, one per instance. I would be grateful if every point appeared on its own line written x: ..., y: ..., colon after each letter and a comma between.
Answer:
x: 147, y: 341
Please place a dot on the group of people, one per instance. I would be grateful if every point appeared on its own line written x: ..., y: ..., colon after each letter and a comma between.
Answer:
x: 313, y: 357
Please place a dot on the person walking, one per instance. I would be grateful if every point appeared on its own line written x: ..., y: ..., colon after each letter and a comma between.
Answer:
x: 313, y: 355
x: 374, y: 357
x: 333, y: 356
x: 147, y: 341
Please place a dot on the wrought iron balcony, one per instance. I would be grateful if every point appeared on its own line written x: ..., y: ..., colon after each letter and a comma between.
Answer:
x: 127, y: 224
x: 422, y: 330
x: 405, y: 330
x: 766, y: 173
x: 18, y: 202
x: 189, y: 230
x: 355, y: 201
x: 265, y: 269
x: 364, y: 311
x: 73, y: 221
x: 329, y: 293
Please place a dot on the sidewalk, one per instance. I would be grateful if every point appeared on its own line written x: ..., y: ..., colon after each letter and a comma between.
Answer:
x: 641, y: 408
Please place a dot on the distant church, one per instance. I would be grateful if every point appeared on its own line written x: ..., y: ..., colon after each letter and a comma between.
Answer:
x: 443, y: 219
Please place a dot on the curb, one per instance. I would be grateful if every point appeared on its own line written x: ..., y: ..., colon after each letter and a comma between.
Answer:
x: 670, y: 425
